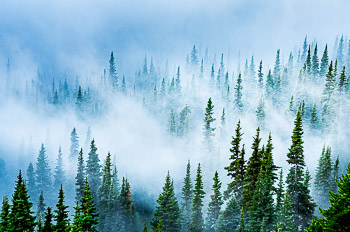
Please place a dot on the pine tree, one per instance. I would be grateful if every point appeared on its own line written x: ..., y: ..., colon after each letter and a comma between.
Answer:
x: 43, y: 172
x: 184, y: 118
x: 279, y: 192
x: 40, y: 208
x: 253, y: 170
x: 277, y: 67
x: 308, y: 61
x: 31, y: 182
x: 238, y: 93
x: 74, y: 145
x: 144, y: 227
x: 197, y: 221
x: 61, y: 214
x: 88, y: 210
x: 112, y: 71
x: 260, y: 112
x: 167, y: 209
x: 323, y: 178
x: 187, y: 197
x: 314, y: 118
x: 229, y: 218
x: 342, y: 86
x: 260, y: 75
x: 93, y: 170
x: 48, y: 227
x: 315, y: 63
x: 5, y: 215
x: 103, y: 196
x: 79, y: 179
x: 178, y: 81
x: 297, y: 188
x: 324, y: 62
x: 59, y: 172
x: 215, y: 204
x: 236, y: 170
x: 269, y: 86
x: 172, y: 123
x: 208, y: 120
x: 286, y: 222
x: 20, y: 217
x: 330, y: 83
x: 194, y: 56
x: 127, y: 209
x: 241, y: 225
x: 80, y: 100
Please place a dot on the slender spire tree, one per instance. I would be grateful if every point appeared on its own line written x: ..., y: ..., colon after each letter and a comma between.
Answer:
x: 187, y: 198
x: 79, y: 179
x: 215, y: 204
x: 93, y: 170
x: 197, y: 222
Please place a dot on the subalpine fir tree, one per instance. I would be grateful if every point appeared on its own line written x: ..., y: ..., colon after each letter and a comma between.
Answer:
x: 5, y: 215
x: 172, y: 123
x: 48, y: 227
x: 336, y: 216
x: 61, y: 214
x: 260, y: 112
x: 178, y: 81
x: 215, y: 204
x: 194, y: 56
x: 21, y: 217
x: 43, y: 172
x: 343, y: 83
x: 74, y: 145
x: 241, y: 225
x: 269, y: 86
x: 340, y: 51
x: 112, y: 72
x: 184, y: 121
x: 277, y: 67
x: 324, y: 63
x: 77, y: 219
x: 59, y: 171
x: 323, y: 178
x: 40, y: 225
x: 208, y: 120
x: 314, y: 121
x: 93, y: 170
x: 307, y: 201
x: 253, y: 170
x: 279, y: 192
x: 197, y: 221
x: 229, y: 218
x: 80, y: 99
x: 127, y: 215
x: 260, y: 75
x: 285, y: 217
x: 238, y: 94
x: 187, y: 198
x: 315, y: 63
x: 31, y: 182
x: 303, y: 55
x: 237, y: 168
x: 40, y: 208
x: 167, y: 209
x: 80, y: 177
x: 334, y: 187
x: 296, y: 185
x: 103, y: 196
x: 308, y: 63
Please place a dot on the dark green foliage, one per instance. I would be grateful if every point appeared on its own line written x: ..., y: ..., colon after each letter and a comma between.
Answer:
x: 74, y: 145
x: 308, y: 61
x: 297, y: 183
x: 61, y: 214
x: 93, y: 170
x: 229, y: 218
x: 238, y: 94
x: 40, y: 208
x: 334, y: 187
x: 5, y: 215
x: 215, y: 204
x: 270, y: 85
x: 343, y: 82
x: 89, y: 218
x: 241, y: 225
x: 21, y: 218
x: 113, y: 72
x: 43, y: 172
x: 315, y: 63
x: 48, y: 227
x: 330, y: 83
x: 336, y: 217
x: 145, y: 228
x: 80, y: 177
x: 187, y: 198
x: 279, y: 192
x: 236, y: 170
x: 208, y: 119
x: 324, y: 62
x: 167, y: 209
x: 59, y: 172
x: 79, y: 102
x: 197, y: 221
x: 127, y: 209
x: 285, y: 217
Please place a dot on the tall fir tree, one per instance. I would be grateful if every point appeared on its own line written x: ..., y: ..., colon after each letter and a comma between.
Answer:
x: 208, y: 120
x: 93, y: 170
x: 238, y: 103
x: 167, y: 209
x: 61, y: 214
x: 5, y: 215
x: 31, y: 183
x: 48, y: 227
x: 80, y: 177
x: 197, y: 221
x: 21, y: 216
x: 324, y: 62
x: 260, y: 75
x: 194, y: 56
x: 59, y: 171
x: 43, y: 172
x: 286, y: 222
x: 127, y: 209
x: 74, y: 145
x: 215, y: 204
x: 187, y: 198
x: 112, y: 72
x: 315, y: 63
x: 229, y: 218
x: 40, y: 208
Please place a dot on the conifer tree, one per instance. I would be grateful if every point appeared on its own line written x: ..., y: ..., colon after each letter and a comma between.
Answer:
x: 89, y: 217
x: 260, y: 112
x: 308, y: 61
x: 79, y: 178
x: 127, y: 208
x: 112, y: 71
x: 31, y: 182
x: 187, y: 197
x: 241, y: 225
x: 260, y: 75
x: 172, y: 123
x: 48, y: 227
x: 93, y: 170
x: 303, y: 55
x: 5, y: 215
x: 238, y: 94
x: 215, y: 204
x: 144, y: 227
x: 194, y: 56
x: 20, y: 217
x: 61, y: 214
x: 279, y: 192
x: 80, y: 100
x: 59, y: 172
x: 297, y: 188
x: 178, y: 81
x: 314, y: 121
x: 197, y: 221
x: 229, y: 218
x: 208, y: 120
x: 315, y: 63
x: 43, y: 172
x: 103, y: 196
x: 286, y: 222
x: 74, y: 145
x: 334, y: 187
x: 277, y: 67
x: 324, y: 63
x: 330, y: 83
x: 40, y: 208
x: 342, y: 86
x: 167, y: 209
x: 184, y: 118
x: 237, y: 168
x: 269, y: 86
